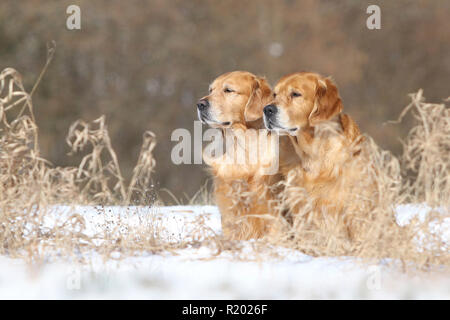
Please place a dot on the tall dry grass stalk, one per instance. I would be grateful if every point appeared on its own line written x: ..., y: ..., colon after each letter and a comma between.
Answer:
x: 426, y: 156
x: 99, y: 172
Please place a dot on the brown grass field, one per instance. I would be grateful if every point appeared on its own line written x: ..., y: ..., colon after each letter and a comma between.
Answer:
x: 30, y: 185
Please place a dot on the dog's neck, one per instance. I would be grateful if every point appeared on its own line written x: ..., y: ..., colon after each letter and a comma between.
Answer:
x: 307, y: 145
x: 257, y: 124
x: 305, y: 135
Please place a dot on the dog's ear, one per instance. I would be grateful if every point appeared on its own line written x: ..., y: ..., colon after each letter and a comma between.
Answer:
x: 327, y: 102
x: 259, y: 98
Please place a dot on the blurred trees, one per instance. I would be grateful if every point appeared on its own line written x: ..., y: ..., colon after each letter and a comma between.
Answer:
x: 145, y: 63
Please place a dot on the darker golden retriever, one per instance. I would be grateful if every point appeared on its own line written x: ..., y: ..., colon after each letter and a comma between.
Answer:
x: 307, y: 108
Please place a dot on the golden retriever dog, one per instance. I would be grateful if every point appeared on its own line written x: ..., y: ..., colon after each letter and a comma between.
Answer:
x: 308, y: 109
x: 244, y: 193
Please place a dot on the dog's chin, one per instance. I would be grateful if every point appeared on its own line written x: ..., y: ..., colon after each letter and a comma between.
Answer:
x: 292, y: 131
x: 217, y: 124
x: 205, y: 119
x: 280, y: 130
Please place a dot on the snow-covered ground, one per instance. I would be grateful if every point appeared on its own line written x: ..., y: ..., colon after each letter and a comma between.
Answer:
x: 195, y: 273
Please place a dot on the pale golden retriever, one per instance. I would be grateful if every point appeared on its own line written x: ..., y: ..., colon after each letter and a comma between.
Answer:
x: 307, y: 107
x: 244, y: 193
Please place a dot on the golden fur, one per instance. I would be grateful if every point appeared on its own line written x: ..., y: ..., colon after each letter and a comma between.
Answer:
x: 244, y: 193
x: 307, y: 107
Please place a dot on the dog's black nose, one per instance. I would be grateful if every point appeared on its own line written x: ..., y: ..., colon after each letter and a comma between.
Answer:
x: 270, y: 110
x: 202, y: 104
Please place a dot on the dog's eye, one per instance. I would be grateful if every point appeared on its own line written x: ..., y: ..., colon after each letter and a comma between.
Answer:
x: 274, y: 95
x: 228, y: 90
x: 296, y: 94
x: 210, y: 90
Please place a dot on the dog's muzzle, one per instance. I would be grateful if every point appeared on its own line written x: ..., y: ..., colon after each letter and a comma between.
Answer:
x: 202, y: 110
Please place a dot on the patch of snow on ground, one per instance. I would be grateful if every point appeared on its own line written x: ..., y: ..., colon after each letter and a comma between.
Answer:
x: 192, y: 274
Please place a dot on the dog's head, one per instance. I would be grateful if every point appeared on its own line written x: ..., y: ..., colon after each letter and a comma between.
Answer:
x: 301, y: 100
x: 234, y: 97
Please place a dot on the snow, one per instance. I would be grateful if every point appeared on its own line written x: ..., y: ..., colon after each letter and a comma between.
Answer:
x: 407, y: 212
x: 195, y: 273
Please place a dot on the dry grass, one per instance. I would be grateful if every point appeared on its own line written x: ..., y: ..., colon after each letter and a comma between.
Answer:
x: 99, y: 173
x: 426, y: 157
x: 30, y: 185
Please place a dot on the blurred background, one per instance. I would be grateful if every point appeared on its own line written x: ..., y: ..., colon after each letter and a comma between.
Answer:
x: 145, y: 63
